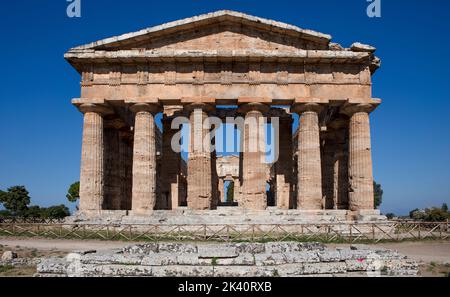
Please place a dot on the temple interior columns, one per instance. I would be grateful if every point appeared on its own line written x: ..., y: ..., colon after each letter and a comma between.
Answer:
x: 283, y: 167
x: 171, y: 169
x: 327, y: 165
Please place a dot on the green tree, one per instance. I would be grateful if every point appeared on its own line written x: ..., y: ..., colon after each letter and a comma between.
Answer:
x: 33, y: 212
x: 5, y: 214
x: 378, y: 193
x: 16, y: 200
x: 55, y: 212
x: 230, y: 193
x: 390, y: 216
x: 73, y: 194
x: 417, y: 214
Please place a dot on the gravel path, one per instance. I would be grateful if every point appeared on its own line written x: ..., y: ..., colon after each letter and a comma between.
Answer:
x: 430, y: 251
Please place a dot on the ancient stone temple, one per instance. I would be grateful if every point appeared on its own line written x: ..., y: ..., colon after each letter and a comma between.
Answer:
x: 225, y: 64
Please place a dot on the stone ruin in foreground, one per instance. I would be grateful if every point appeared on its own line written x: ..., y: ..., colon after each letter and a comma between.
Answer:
x: 276, y: 259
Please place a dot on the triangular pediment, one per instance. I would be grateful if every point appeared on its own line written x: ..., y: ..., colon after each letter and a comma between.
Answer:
x: 221, y: 30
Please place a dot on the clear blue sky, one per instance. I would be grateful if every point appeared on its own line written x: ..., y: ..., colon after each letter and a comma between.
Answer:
x: 41, y: 132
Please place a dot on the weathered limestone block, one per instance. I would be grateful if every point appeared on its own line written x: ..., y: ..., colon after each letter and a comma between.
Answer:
x: 249, y: 248
x: 302, y: 257
x: 288, y: 270
x: 270, y: 259
x: 401, y: 267
x: 242, y: 271
x: 188, y: 259
x: 309, y: 190
x: 183, y: 271
x: 290, y: 247
x: 116, y: 271
x: 8, y: 256
x: 96, y: 259
x: 286, y: 258
x: 241, y: 260
x: 141, y: 249
x: 160, y: 259
x: 358, y: 265
x: 177, y: 248
x: 324, y: 268
x: 348, y: 254
x: 144, y: 159
x: 329, y: 256
x: 53, y: 266
x: 217, y: 251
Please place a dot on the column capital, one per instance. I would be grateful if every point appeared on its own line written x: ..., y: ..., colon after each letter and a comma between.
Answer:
x: 245, y: 108
x: 351, y: 109
x: 97, y: 108
x: 206, y: 107
x: 300, y: 108
x: 145, y: 107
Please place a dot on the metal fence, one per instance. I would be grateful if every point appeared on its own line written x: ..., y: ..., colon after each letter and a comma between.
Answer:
x: 339, y: 232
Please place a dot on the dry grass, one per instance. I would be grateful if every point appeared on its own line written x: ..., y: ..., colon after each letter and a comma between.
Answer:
x: 434, y: 269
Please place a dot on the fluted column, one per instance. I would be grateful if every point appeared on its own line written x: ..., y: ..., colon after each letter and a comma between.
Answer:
x: 222, y: 194
x: 126, y: 168
x: 309, y: 189
x: 283, y: 166
x: 361, y: 194
x: 144, y: 159
x: 92, y: 159
x: 112, y: 179
x: 254, y: 175
x: 237, y: 191
x: 199, y: 176
x: 170, y: 174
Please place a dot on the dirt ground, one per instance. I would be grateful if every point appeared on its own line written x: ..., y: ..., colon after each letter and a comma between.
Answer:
x: 433, y: 256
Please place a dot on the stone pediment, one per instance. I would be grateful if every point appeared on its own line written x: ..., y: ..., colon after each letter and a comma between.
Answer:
x: 221, y: 30
x: 223, y: 35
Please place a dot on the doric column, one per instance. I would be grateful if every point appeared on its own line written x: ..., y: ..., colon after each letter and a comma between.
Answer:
x: 309, y: 188
x: 254, y: 169
x: 144, y: 159
x: 361, y: 193
x: 170, y: 174
x: 112, y: 181
x: 92, y: 159
x: 283, y: 167
x: 126, y: 168
x: 328, y: 151
x: 222, y: 194
x: 199, y: 175
x: 237, y: 191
